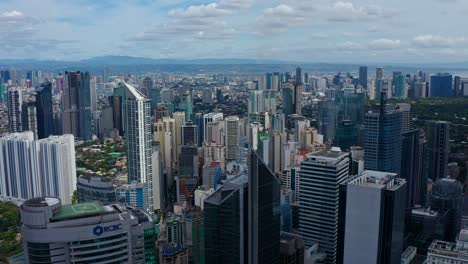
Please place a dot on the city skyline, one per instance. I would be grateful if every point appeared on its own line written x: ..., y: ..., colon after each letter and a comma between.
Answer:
x: 348, y: 31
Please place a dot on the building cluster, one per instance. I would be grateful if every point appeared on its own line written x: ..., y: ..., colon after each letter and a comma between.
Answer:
x: 203, y: 185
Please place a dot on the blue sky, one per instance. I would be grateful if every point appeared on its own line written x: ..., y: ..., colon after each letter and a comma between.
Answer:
x: 350, y: 31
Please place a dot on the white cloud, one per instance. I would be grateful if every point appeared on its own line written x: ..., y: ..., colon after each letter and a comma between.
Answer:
x: 201, y: 11
x: 349, y: 45
x: 279, y: 18
x: 347, y: 12
x: 435, y: 41
x: 384, y: 43
x: 13, y: 13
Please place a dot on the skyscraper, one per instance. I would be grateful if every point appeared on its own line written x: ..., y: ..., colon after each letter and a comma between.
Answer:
x: 379, y: 73
x: 56, y: 162
x: 45, y: 114
x: 84, y: 99
x: 447, y: 194
x: 256, y: 102
x: 147, y: 87
x: 298, y: 75
x: 232, y: 138
x: 189, y: 134
x: 382, y: 138
x: 14, y: 109
x: 411, y: 165
x: 35, y: 168
x: 399, y: 84
x: 288, y: 104
x: 298, y: 89
x: 437, y: 135
x: 70, y: 103
x: 375, y: 218
x: 321, y: 175
x: 226, y: 223
x: 76, y: 101
x: 138, y: 135
x: 363, y: 76
x: 441, y: 85
x: 264, y: 213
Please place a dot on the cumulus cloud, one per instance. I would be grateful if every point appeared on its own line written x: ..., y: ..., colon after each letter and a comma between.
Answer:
x: 384, y: 43
x: 435, y: 41
x: 279, y: 18
x: 347, y: 12
x: 225, y: 7
x: 196, y: 22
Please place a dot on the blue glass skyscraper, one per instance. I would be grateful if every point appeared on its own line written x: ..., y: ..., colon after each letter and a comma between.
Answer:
x: 382, y: 138
x: 441, y: 85
x: 45, y: 114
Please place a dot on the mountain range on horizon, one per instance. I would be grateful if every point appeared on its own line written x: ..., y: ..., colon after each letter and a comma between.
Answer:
x: 115, y: 60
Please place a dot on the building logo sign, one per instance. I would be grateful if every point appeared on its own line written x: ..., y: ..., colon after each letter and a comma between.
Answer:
x: 99, y: 230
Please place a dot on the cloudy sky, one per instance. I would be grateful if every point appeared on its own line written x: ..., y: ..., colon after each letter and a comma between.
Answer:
x: 356, y: 31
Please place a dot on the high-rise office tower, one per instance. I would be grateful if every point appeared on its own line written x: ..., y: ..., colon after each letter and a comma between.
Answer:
x: 189, y: 134
x: 232, y: 138
x: 188, y: 161
x: 441, y: 85
x: 264, y: 213
x: 447, y: 194
x: 29, y: 117
x: 138, y: 135
x: 363, y: 76
x: 226, y: 223
x: 288, y: 104
x: 207, y: 96
x: 382, y: 138
x: 375, y: 218
x: 399, y: 85
x: 209, y: 118
x: 256, y: 102
x: 93, y: 94
x: 14, y: 109
x: 321, y: 175
x: 269, y: 81
x: 438, y: 149
x: 298, y: 89
x: 179, y: 118
x: 411, y: 165
x: 406, y: 122
x: 84, y: 99
x: 299, y: 75
x: 147, y: 86
x: 53, y: 232
x: 379, y: 73
x: 457, y: 86
x: 291, y: 249
x: 269, y: 103
x: 349, y: 119
x: 157, y: 188
x: 76, y: 100
x: 35, y: 168
x: 45, y: 114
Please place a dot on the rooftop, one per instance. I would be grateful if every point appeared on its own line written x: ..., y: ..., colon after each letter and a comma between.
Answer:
x: 330, y: 155
x: 75, y: 210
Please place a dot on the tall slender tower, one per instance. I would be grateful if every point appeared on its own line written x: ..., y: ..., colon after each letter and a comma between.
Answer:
x: 320, y: 178
x: 232, y: 138
x: 137, y: 112
x: 264, y: 213
x: 14, y: 109
x: 76, y: 105
x: 45, y: 113
x: 437, y: 133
